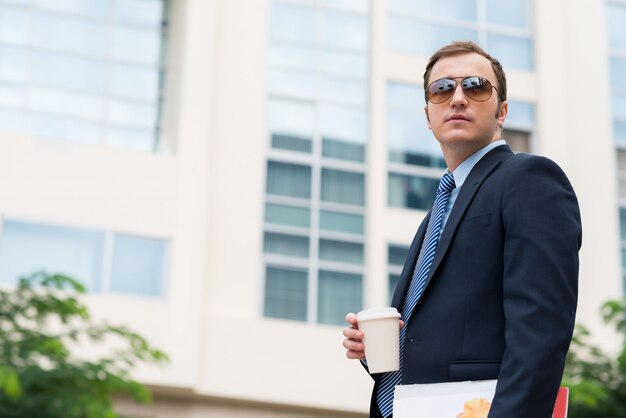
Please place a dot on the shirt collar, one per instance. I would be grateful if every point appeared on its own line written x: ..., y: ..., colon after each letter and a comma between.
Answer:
x: 463, y: 170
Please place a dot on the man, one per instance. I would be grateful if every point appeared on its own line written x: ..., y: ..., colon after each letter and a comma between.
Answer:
x: 489, y: 286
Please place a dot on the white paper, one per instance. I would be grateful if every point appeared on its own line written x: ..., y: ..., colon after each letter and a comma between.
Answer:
x: 439, y: 400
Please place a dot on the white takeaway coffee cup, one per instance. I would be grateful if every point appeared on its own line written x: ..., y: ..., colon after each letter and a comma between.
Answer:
x: 381, y: 337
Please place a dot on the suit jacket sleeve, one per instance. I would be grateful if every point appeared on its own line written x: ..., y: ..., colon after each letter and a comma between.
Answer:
x: 541, y: 223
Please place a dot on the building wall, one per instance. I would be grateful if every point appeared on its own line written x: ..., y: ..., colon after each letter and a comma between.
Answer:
x: 205, y: 193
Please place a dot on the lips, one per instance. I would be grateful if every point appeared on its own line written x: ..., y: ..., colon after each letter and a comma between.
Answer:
x: 457, y: 117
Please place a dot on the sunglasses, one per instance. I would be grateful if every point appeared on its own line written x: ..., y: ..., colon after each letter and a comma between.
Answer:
x: 476, y: 88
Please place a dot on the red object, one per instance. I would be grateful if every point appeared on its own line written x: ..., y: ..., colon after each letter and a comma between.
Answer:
x: 560, y: 406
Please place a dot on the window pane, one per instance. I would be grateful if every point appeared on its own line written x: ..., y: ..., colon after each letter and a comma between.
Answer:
x: 14, y: 25
x: 138, y: 265
x: 288, y: 117
x: 66, y: 103
x: 26, y: 248
x: 133, y: 114
x: 12, y: 95
x: 291, y: 83
x: 617, y: 30
x: 284, y: 244
x: 520, y: 113
x: 510, y: 13
x: 343, y: 187
x: 60, y: 33
x: 518, y: 141
x: 59, y: 127
x: 343, y: 150
x: 619, y: 130
x: 411, y: 191
x: 362, y: 6
x: 397, y: 254
x: 410, y: 141
x: 144, y: 12
x: 291, y: 142
x: 343, y: 30
x: 513, y: 52
x: 343, y: 90
x: 345, y: 63
x: 622, y: 222
x: 98, y: 8
x: 294, y: 57
x: 14, y: 63
x: 393, y: 282
x: 68, y: 72
x: 440, y: 9
x: 137, y: 45
x: 285, y: 293
x: 135, y: 82
x: 288, y: 179
x: 618, y: 69
x: 293, y: 23
x: 423, y: 38
x: 338, y: 293
x: 341, y: 252
x: 342, y: 123
x: 341, y: 222
x: 287, y: 215
x: 618, y: 107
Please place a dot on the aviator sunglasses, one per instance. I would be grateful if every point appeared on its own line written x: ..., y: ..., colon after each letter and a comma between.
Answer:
x: 476, y: 88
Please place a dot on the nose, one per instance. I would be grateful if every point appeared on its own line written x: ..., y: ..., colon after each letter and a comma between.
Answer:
x: 458, y: 98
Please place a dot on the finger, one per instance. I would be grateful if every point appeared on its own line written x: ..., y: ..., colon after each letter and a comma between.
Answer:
x: 353, y: 345
x: 401, y: 324
x: 351, y: 318
x: 355, y: 355
x: 352, y: 333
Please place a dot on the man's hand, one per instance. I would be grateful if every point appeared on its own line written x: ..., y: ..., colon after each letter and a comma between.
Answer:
x: 354, y: 338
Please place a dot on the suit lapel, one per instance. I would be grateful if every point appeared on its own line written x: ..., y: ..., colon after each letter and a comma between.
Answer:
x: 483, y: 168
x: 472, y: 183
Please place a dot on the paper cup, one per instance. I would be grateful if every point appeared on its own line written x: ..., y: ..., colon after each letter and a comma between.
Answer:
x: 381, y: 336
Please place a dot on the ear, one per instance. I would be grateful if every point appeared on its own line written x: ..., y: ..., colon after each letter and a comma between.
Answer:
x: 503, y: 109
x: 427, y: 117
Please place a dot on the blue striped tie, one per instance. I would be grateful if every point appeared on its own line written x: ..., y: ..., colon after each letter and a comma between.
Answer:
x: 389, y: 380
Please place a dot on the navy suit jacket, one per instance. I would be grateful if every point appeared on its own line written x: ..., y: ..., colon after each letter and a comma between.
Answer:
x: 500, y: 299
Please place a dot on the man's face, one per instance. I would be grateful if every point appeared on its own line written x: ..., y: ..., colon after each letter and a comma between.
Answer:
x: 461, y: 123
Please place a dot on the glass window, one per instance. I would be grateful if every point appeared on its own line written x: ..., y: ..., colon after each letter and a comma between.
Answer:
x: 77, y: 59
x: 290, y: 83
x: 343, y: 187
x: 519, y: 141
x: 341, y: 222
x: 393, y: 282
x: 520, y: 114
x: 341, y: 252
x: 343, y: 30
x: 291, y: 142
x: 283, y: 244
x: 514, y: 13
x: 622, y: 222
x: 287, y: 215
x: 424, y: 38
x: 338, y: 293
x: 617, y: 30
x: 618, y: 69
x: 286, y: 293
x: 438, y: 9
x: 26, y: 248
x: 288, y: 179
x: 343, y: 150
x: 412, y: 191
x: 138, y: 265
x: 293, y: 23
x: 286, y: 117
x: 397, y: 254
x: 512, y: 51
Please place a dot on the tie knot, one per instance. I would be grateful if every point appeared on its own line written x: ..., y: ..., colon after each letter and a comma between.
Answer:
x: 447, y: 183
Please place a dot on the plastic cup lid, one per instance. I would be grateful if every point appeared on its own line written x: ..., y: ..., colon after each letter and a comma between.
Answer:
x: 377, y: 313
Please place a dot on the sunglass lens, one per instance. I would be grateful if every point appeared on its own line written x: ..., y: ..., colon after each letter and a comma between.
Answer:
x: 477, y: 88
x: 440, y: 90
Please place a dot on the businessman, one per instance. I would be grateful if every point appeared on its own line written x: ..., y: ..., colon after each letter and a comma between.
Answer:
x: 489, y: 286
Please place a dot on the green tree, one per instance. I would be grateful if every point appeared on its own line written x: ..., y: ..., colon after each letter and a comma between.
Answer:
x: 597, y: 380
x: 40, y: 321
